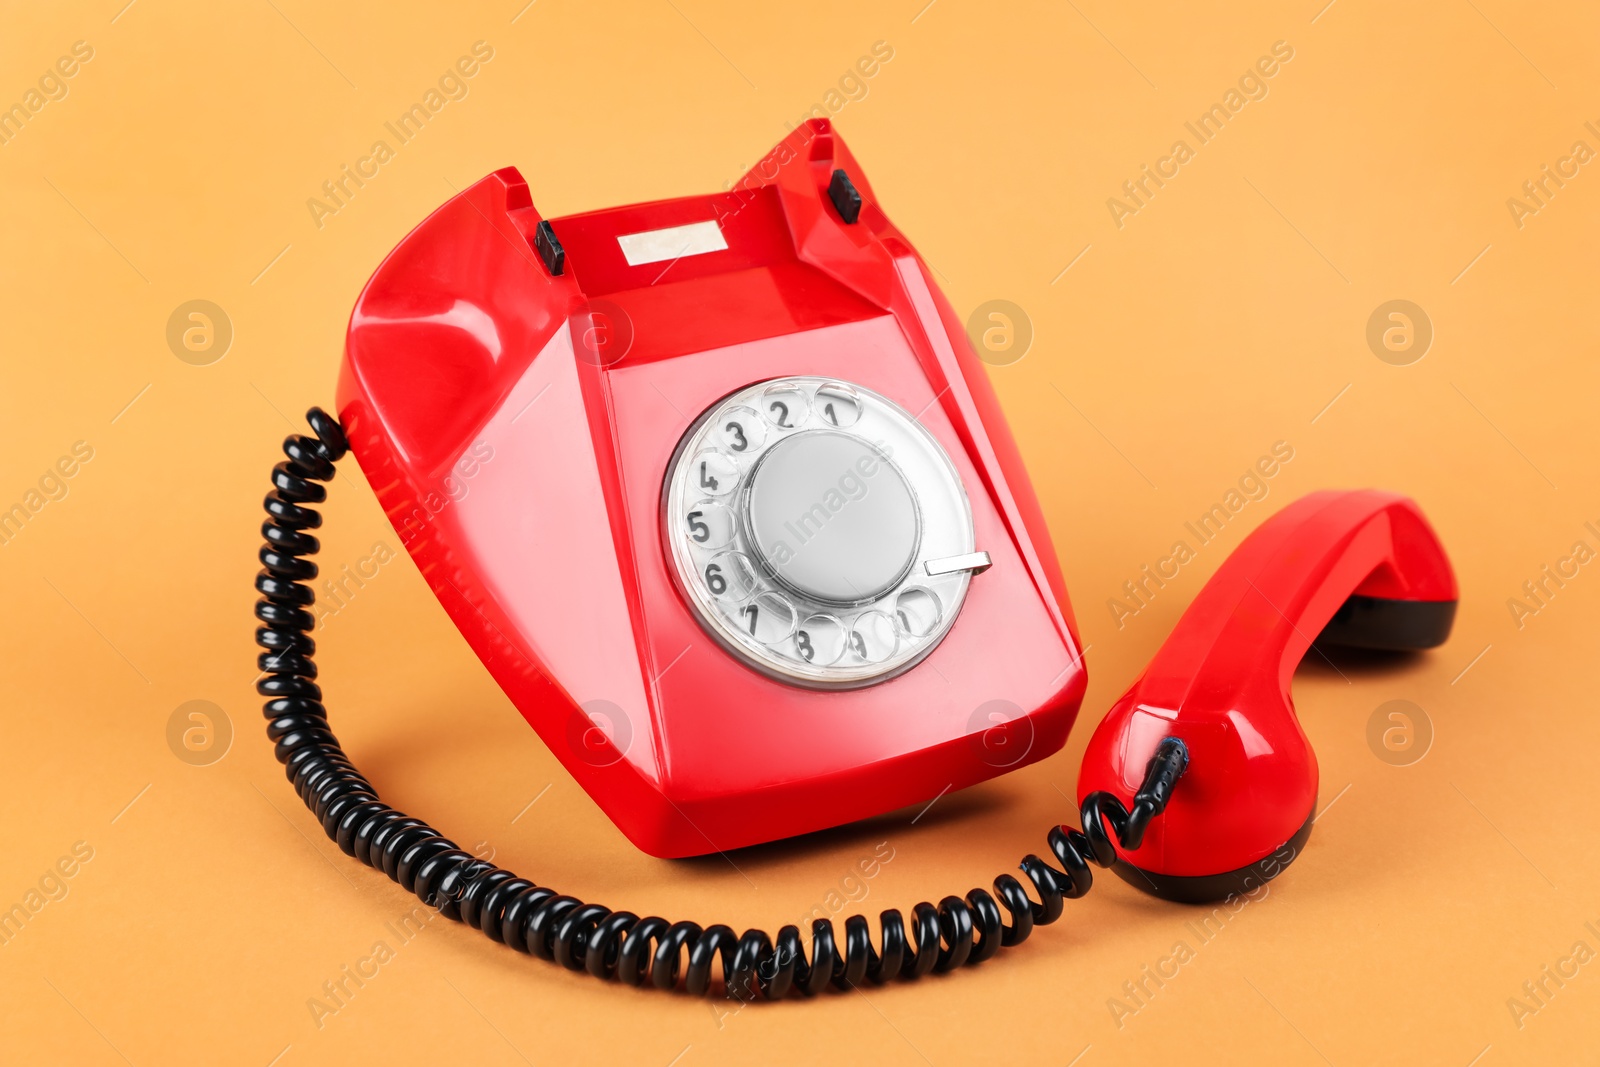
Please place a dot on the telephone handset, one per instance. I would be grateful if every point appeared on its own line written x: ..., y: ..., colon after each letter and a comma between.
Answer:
x: 718, y: 492
x: 1360, y: 569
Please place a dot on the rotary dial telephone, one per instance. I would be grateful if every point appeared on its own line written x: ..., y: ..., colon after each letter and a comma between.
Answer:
x: 718, y: 492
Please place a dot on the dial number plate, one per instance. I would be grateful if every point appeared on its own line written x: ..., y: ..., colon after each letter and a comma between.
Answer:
x: 799, y: 514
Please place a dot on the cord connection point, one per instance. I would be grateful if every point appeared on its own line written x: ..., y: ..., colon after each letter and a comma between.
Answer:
x: 1166, y: 767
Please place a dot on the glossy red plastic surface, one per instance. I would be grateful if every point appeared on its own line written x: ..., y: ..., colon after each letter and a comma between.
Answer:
x: 1220, y: 683
x: 517, y: 427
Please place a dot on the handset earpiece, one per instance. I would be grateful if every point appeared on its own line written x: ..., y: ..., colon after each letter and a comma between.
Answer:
x: 1360, y: 568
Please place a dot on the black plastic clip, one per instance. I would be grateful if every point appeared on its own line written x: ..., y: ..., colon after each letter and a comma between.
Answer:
x: 548, y: 245
x: 844, y: 196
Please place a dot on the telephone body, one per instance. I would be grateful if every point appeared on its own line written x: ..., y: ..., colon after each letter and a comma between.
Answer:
x: 720, y: 494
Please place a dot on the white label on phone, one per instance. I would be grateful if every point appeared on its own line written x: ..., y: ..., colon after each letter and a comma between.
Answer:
x: 674, y: 242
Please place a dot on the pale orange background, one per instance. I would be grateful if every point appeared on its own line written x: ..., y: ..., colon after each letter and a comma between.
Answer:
x: 1224, y: 316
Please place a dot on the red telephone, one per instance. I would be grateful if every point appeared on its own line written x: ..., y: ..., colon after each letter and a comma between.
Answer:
x: 719, y: 493
x: 794, y: 478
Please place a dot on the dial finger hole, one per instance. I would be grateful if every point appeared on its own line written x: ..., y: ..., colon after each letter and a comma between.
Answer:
x: 730, y: 576
x: 820, y: 640
x: 714, y: 474
x: 784, y: 405
x: 838, y: 405
x: 873, y: 638
x: 916, y: 611
x: 769, y: 618
x: 741, y: 431
x: 708, y: 524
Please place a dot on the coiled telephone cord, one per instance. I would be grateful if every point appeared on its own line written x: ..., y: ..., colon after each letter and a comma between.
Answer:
x: 580, y: 936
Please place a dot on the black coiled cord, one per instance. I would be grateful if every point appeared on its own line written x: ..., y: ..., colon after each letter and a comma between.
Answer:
x: 592, y: 937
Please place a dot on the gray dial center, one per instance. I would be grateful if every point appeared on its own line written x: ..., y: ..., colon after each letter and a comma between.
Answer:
x: 831, y: 517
